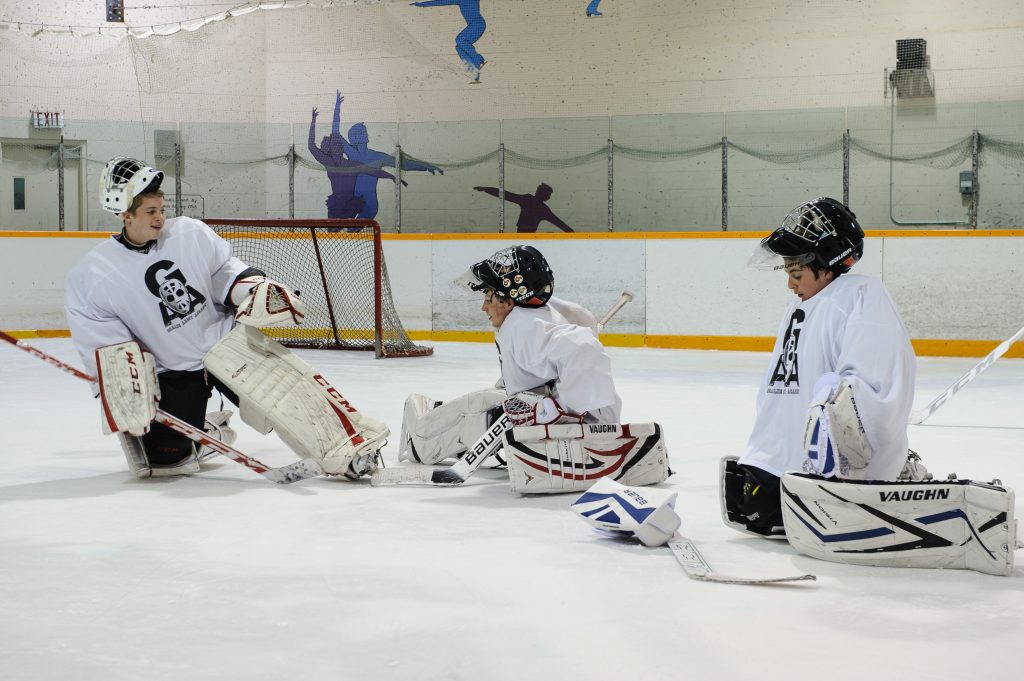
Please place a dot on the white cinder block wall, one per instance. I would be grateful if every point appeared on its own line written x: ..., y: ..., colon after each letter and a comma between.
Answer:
x: 779, y: 76
x: 953, y: 288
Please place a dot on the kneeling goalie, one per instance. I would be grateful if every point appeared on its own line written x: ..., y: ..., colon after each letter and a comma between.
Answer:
x: 152, y: 313
x: 557, y: 391
x: 827, y: 464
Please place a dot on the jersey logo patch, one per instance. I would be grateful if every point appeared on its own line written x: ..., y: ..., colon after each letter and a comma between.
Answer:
x: 787, y: 368
x: 179, y: 302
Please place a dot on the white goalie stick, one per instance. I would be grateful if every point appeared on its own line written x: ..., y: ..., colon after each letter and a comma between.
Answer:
x: 919, y: 415
x: 300, y: 470
x: 696, y: 567
x: 623, y: 299
x: 488, y: 444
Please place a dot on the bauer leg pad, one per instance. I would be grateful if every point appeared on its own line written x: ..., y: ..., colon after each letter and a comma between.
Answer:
x: 951, y: 524
x: 278, y: 391
x: 571, y: 457
x: 433, y: 431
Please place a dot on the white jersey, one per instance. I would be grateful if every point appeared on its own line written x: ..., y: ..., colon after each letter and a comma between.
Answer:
x: 169, y: 297
x: 558, y: 342
x: 850, y: 328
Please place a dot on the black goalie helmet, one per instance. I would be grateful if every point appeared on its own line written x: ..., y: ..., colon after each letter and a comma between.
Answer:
x: 517, y: 273
x: 822, y: 232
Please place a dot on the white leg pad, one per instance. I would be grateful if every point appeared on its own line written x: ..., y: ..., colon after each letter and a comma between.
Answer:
x: 432, y: 431
x: 571, y: 457
x: 949, y: 524
x: 135, y: 454
x: 139, y: 465
x: 279, y: 391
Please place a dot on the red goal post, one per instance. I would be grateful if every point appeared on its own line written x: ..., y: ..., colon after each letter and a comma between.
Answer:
x: 338, y: 269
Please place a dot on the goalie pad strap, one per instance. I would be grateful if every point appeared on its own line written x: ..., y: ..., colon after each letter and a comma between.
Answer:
x: 950, y: 524
x: 128, y: 388
x: 567, y: 458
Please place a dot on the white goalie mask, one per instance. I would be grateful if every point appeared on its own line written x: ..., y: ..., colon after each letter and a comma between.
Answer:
x: 123, y: 179
x: 175, y: 296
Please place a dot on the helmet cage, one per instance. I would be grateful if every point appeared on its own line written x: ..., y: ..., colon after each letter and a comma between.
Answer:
x: 822, y: 232
x: 123, y: 179
x: 517, y: 273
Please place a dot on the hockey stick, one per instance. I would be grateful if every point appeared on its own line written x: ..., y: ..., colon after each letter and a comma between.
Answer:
x: 300, y: 470
x: 696, y: 567
x: 623, y: 299
x: 456, y: 474
x: 919, y: 415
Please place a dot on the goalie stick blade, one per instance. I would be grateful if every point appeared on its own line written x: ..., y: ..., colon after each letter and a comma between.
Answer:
x: 293, y: 472
x: 696, y: 567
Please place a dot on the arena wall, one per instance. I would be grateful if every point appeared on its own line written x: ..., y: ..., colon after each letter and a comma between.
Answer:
x: 959, y: 292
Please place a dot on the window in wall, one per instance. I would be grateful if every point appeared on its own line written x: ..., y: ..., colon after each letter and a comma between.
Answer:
x: 19, y: 193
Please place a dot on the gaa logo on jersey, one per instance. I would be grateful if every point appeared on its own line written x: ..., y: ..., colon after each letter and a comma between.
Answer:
x: 178, y: 300
x: 787, y: 368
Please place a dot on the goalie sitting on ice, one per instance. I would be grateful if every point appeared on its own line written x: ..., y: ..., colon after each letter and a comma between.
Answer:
x: 827, y: 464
x: 152, y: 313
x: 556, y: 378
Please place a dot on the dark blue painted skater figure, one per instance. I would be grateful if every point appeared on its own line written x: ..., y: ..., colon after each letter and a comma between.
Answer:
x: 466, y: 39
x: 343, y: 173
x: 592, y: 9
x: 366, y: 163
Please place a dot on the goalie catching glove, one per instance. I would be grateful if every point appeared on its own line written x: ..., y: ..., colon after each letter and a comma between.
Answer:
x: 129, y: 392
x: 834, y: 439
x: 527, y: 409
x: 263, y: 303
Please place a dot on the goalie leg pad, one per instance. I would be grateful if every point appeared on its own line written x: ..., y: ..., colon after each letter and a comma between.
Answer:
x: 950, y: 524
x: 570, y: 458
x: 278, y: 391
x: 647, y: 513
x: 135, y: 455
x: 433, y: 431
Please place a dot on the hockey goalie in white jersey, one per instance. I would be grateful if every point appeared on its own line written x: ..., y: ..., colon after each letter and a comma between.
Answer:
x: 827, y: 464
x: 557, y: 390
x: 153, y: 315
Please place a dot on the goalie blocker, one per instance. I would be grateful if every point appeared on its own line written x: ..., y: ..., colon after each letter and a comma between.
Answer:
x: 571, y: 457
x: 951, y: 524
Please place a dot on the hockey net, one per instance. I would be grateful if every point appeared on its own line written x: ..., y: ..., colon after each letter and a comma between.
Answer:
x: 338, y: 269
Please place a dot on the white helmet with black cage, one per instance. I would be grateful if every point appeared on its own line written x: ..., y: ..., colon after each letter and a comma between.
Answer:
x: 517, y: 273
x: 822, y: 233
x: 123, y: 179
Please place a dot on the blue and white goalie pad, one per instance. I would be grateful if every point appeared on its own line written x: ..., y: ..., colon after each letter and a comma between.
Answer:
x: 647, y: 513
x: 950, y: 524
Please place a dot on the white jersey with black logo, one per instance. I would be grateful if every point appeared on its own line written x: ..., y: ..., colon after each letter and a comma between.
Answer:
x: 169, y: 298
x: 850, y: 328
x: 558, y: 342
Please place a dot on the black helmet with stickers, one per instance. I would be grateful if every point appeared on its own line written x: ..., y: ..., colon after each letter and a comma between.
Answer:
x: 517, y: 273
x: 823, y: 233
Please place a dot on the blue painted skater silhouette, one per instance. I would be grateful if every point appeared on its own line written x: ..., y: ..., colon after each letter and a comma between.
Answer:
x: 343, y: 173
x: 592, y: 9
x: 369, y: 162
x: 466, y: 39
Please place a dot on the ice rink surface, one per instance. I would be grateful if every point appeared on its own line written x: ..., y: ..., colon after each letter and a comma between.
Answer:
x: 225, y: 575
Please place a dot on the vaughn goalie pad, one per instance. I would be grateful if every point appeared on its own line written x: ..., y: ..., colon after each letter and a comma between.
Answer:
x: 613, y: 507
x: 571, y: 457
x: 278, y: 391
x: 951, y: 524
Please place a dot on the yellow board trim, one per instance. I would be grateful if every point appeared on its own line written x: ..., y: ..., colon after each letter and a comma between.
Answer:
x: 923, y: 347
